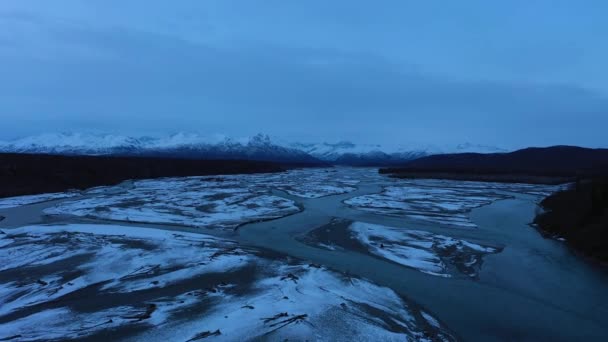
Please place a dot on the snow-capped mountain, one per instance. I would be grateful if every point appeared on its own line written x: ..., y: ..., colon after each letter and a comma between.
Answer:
x: 71, y: 143
x: 469, y: 147
x: 258, y: 147
x: 348, y: 153
x: 182, y: 145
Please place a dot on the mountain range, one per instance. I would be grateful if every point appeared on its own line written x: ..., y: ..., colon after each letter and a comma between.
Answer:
x: 258, y: 147
x: 348, y: 153
x: 555, y: 164
x: 554, y: 160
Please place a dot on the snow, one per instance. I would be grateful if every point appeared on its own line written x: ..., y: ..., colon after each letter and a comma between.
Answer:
x: 332, y: 151
x: 282, y: 301
x: 63, y: 323
x: 175, y: 257
x: 12, y: 202
x: 188, y: 139
x: 99, y: 143
x: 430, y: 319
x: 441, y: 201
x: 423, y: 251
x: 540, y: 190
x: 210, y: 202
x: 326, y: 304
x: 307, y: 183
x: 443, y: 206
x: 69, y: 142
x: 57, y: 324
x: 218, y: 202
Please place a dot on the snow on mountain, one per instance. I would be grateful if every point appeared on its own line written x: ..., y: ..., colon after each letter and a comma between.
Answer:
x: 345, y: 152
x: 185, y: 145
x: 70, y: 143
x: 331, y: 152
x: 468, y: 147
x: 258, y: 147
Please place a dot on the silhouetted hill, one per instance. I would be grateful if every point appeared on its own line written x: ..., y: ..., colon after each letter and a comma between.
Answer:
x: 562, y: 163
x: 25, y: 174
x: 579, y: 215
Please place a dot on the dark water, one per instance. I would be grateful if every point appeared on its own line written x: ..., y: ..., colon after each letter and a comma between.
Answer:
x: 536, y: 289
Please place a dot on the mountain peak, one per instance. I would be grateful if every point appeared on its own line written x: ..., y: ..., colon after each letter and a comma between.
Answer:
x: 260, y: 140
x: 259, y: 146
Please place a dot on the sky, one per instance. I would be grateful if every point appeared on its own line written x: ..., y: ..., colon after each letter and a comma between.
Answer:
x: 504, y: 73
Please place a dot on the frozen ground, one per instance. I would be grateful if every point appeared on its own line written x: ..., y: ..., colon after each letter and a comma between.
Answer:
x: 71, y: 281
x: 309, y: 183
x: 427, y: 252
x: 107, y: 282
x: 540, y: 190
x: 441, y: 201
x: 211, y: 202
x: 11, y: 202
x: 224, y: 202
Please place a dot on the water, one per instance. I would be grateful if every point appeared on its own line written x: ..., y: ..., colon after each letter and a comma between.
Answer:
x: 536, y: 289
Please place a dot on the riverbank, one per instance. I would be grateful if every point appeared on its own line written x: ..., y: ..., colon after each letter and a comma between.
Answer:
x: 476, y: 177
x: 532, y: 289
x: 526, y: 288
x: 580, y: 216
x: 549, y: 165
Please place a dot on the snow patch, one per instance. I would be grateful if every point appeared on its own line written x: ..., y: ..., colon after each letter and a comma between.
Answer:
x: 424, y: 251
x: 281, y: 301
x: 441, y: 201
x: 12, y: 202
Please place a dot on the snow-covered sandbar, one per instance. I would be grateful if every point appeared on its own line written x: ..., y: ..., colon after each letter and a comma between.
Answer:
x: 74, y: 281
x: 441, y: 201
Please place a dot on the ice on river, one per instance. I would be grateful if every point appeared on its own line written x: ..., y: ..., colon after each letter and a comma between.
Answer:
x: 540, y: 190
x: 211, y: 202
x: 441, y: 201
x: 427, y: 252
x: 309, y: 183
x: 224, y: 202
x: 143, y: 283
x: 11, y: 202
x: 116, y: 259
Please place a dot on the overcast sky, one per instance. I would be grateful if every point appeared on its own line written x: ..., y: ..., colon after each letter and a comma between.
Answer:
x: 507, y: 73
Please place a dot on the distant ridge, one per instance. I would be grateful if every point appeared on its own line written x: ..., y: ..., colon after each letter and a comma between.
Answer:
x: 258, y: 147
x: 181, y: 145
x: 557, y: 161
x: 348, y: 153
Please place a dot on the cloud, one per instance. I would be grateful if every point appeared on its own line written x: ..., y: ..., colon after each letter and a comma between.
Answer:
x: 72, y: 75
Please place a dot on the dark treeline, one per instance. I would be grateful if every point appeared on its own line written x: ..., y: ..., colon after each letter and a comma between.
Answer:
x: 580, y: 215
x: 557, y: 164
x: 26, y: 174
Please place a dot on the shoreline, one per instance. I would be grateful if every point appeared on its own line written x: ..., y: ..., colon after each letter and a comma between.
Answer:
x: 579, y: 216
x: 478, y: 177
x: 576, y: 216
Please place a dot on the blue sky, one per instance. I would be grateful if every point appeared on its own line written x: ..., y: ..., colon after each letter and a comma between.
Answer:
x: 511, y: 73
